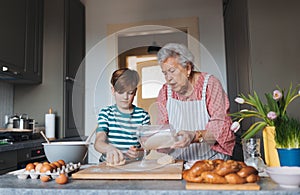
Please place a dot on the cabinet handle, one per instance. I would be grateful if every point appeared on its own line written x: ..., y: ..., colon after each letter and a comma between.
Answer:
x: 5, y: 69
x: 70, y: 79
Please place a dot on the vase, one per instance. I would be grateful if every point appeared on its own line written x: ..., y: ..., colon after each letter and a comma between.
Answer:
x: 289, y: 156
x: 271, y: 154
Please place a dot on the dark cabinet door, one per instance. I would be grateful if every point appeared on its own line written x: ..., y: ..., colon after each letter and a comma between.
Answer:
x: 21, y: 35
x: 74, y: 82
x: 12, y: 35
x: 34, y: 41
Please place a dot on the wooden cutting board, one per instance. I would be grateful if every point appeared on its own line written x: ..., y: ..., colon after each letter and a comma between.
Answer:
x: 204, y: 186
x: 15, y: 130
x: 148, y: 169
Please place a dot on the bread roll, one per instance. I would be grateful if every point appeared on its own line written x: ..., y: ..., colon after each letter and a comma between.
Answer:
x: 221, y: 172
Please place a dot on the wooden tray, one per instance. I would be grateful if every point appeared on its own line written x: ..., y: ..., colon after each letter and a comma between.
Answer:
x: 133, y: 170
x: 204, y: 186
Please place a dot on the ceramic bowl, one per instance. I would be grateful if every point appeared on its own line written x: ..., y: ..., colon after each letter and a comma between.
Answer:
x: 286, y: 177
x: 69, y: 151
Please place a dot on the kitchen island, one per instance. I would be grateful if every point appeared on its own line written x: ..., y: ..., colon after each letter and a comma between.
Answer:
x: 10, y: 184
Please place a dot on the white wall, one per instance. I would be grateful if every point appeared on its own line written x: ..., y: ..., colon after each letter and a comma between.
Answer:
x: 101, y: 55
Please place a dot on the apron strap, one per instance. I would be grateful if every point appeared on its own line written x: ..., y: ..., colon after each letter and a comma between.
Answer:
x: 204, y: 87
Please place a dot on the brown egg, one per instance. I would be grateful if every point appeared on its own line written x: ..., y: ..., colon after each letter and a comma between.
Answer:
x: 46, y: 168
x: 62, y: 162
x: 61, y: 179
x: 53, y: 166
x: 46, y: 163
x: 38, y: 167
x: 35, y: 163
x: 57, y: 164
x: 29, y: 166
x: 45, y: 178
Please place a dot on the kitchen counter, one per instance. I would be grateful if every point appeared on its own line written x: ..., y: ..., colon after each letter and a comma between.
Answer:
x: 10, y: 184
x: 17, y: 155
x: 22, y: 145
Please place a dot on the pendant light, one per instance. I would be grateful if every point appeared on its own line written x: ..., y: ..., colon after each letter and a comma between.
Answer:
x: 154, y: 48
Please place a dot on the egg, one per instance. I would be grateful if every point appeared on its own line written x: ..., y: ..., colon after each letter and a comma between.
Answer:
x: 45, y: 178
x: 62, y: 162
x: 53, y: 166
x: 61, y: 179
x: 29, y: 167
x: 45, y: 168
x: 57, y: 164
x: 38, y: 167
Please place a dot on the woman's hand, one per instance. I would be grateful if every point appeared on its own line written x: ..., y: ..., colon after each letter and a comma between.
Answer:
x: 113, y: 155
x: 185, y: 139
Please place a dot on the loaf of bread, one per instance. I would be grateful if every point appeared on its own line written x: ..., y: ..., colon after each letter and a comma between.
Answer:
x: 221, y: 172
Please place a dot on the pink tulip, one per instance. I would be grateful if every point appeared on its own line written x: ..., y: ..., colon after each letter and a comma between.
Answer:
x: 235, y: 126
x: 271, y: 115
x: 277, y: 95
x: 239, y: 100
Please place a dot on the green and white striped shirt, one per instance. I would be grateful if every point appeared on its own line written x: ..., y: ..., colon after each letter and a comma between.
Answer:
x: 121, y: 127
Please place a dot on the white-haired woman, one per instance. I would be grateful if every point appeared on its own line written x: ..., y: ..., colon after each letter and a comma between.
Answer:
x: 196, y: 105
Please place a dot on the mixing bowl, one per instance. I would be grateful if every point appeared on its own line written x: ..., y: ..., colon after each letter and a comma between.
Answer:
x: 154, y: 137
x: 69, y: 151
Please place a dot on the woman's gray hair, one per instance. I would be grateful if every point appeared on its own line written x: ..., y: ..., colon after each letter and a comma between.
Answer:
x: 180, y: 51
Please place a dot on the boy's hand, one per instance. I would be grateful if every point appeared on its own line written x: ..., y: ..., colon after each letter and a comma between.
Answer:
x: 113, y: 155
x: 134, y: 152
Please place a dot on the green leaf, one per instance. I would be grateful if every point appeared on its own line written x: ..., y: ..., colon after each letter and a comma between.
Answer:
x: 272, y: 104
x: 253, y: 129
x: 260, y: 107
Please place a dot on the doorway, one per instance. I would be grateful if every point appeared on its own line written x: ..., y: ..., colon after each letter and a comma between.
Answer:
x: 151, y: 78
x: 132, y: 41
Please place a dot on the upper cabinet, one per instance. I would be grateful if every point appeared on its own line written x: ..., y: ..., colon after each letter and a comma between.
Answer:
x: 21, y: 39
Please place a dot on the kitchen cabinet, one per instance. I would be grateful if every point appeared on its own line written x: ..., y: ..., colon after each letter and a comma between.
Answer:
x: 21, y: 39
x: 75, y: 53
x: 8, y: 161
x: 63, y: 52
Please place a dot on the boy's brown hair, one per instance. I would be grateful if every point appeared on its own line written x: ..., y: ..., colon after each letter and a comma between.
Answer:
x: 124, y: 80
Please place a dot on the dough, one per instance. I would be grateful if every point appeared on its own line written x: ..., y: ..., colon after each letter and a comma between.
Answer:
x: 118, y: 164
x: 154, y: 155
x: 159, y: 140
x: 165, y: 160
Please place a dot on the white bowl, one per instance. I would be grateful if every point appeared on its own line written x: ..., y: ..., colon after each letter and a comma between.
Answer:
x: 286, y: 177
x: 69, y: 151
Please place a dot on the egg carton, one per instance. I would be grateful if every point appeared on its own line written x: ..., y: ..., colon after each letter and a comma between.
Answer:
x: 67, y: 169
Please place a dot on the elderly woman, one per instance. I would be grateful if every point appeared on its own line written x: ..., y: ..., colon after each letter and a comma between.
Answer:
x: 196, y: 106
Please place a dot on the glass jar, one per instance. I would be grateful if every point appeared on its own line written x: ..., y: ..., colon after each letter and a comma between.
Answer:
x: 252, y: 155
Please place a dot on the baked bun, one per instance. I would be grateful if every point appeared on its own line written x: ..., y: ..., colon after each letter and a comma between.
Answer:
x: 221, y: 172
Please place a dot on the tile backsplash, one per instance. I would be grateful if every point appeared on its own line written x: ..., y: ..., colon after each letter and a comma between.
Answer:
x: 6, y: 100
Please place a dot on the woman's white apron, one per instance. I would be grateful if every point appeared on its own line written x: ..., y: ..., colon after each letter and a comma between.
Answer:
x: 191, y: 116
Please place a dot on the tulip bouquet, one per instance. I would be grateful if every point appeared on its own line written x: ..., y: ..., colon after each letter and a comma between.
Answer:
x: 273, y: 113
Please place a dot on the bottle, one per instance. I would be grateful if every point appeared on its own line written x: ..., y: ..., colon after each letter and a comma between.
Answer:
x: 50, y: 124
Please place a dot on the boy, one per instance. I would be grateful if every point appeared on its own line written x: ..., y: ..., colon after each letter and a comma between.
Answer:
x: 116, y: 133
